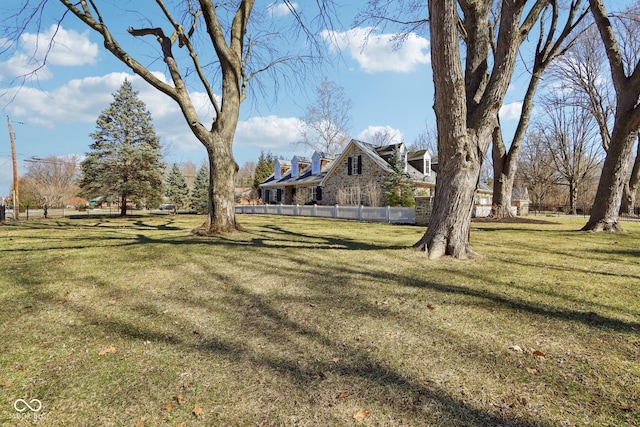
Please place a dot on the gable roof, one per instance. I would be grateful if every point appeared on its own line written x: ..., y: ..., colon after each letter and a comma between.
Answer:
x: 374, y: 153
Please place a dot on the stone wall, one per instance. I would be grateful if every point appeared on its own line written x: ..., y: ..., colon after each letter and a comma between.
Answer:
x: 372, y: 174
x: 423, y: 210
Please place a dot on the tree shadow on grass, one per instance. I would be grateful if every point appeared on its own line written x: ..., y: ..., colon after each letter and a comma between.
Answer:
x: 387, y: 389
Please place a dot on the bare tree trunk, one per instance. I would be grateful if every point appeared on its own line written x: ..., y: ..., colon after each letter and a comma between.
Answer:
x: 221, y: 217
x: 123, y: 205
x: 449, y: 227
x: 466, y: 105
x: 606, y: 207
x: 631, y: 186
x: 459, y: 166
x: 573, y: 197
x: 504, y: 172
x: 505, y: 162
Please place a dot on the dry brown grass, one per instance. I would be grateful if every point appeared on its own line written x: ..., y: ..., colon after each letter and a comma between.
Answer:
x: 317, y: 322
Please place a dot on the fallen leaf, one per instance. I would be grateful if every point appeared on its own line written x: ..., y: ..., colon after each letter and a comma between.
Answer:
x: 335, y: 359
x: 112, y: 302
x: 196, y: 333
x: 182, y: 424
x: 179, y: 399
x: 20, y: 367
x: 168, y: 407
x: 516, y: 348
x: 360, y: 415
x: 106, y: 350
x: 625, y: 406
x: 7, y: 384
x: 430, y: 307
x: 532, y: 371
x: 198, y: 411
x: 538, y: 353
x: 140, y: 423
x: 343, y: 394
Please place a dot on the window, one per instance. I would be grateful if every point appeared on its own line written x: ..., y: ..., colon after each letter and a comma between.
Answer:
x: 354, y: 165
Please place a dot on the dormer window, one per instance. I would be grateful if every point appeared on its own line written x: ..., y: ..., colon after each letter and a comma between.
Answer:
x: 294, y: 169
x: 280, y: 168
x: 277, y: 171
x: 316, y: 163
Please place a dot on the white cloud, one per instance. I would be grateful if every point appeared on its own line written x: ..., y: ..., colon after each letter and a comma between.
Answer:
x: 55, y: 46
x: 278, y: 10
x: 272, y: 133
x: 380, y: 52
x: 370, y: 132
x: 82, y: 100
x: 511, y: 111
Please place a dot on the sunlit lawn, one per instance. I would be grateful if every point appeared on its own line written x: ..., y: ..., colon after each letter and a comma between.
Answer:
x: 300, y: 321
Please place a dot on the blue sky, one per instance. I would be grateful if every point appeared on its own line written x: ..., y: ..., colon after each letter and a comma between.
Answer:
x: 54, y: 113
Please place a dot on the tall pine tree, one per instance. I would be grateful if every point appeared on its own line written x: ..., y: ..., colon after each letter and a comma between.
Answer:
x: 176, y: 189
x: 264, y: 169
x: 125, y: 162
x: 200, y: 193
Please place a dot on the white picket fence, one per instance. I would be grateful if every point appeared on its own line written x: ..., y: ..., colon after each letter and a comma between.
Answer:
x: 359, y: 213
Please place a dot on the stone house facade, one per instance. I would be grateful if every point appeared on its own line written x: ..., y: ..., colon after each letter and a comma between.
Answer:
x: 355, y: 177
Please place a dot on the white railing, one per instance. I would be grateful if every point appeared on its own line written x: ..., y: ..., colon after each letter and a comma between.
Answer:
x: 358, y: 213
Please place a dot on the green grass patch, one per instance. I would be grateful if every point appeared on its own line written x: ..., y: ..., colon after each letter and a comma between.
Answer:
x: 300, y: 321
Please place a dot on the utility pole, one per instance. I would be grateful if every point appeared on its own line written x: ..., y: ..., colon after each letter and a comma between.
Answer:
x: 16, y: 198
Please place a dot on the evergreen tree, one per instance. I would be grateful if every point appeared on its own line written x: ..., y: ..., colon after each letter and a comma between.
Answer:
x: 398, y: 190
x: 176, y: 188
x: 264, y: 169
x: 125, y: 161
x: 200, y: 193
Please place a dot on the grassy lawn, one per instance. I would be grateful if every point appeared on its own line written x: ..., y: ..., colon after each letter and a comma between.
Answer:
x: 312, y: 322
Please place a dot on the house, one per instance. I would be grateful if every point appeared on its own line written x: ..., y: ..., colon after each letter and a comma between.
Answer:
x: 355, y: 177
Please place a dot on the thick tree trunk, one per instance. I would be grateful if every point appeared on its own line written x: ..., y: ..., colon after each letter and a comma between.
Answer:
x: 606, y: 207
x: 449, y: 227
x: 458, y: 153
x: 504, y: 172
x: 631, y: 186
x: 221, y: 217
x: 501, y: 204
x: 573, y: 197
x: 123, y: 206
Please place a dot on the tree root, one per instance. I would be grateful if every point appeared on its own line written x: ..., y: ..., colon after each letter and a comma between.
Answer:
x: 604, y: 226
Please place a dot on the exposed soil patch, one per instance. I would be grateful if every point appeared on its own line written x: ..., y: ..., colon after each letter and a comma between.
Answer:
x: 516, y: 220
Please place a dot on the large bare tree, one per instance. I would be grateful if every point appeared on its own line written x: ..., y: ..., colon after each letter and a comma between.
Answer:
x: 584, y: 70
x: 569, y: 134
x: 626, y: 123
x: 50, y: 181
x: 205, y: 45
x: 553, y: 41
x: 468, y: 96
x: 534, y: 167
x: 325, y: 125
